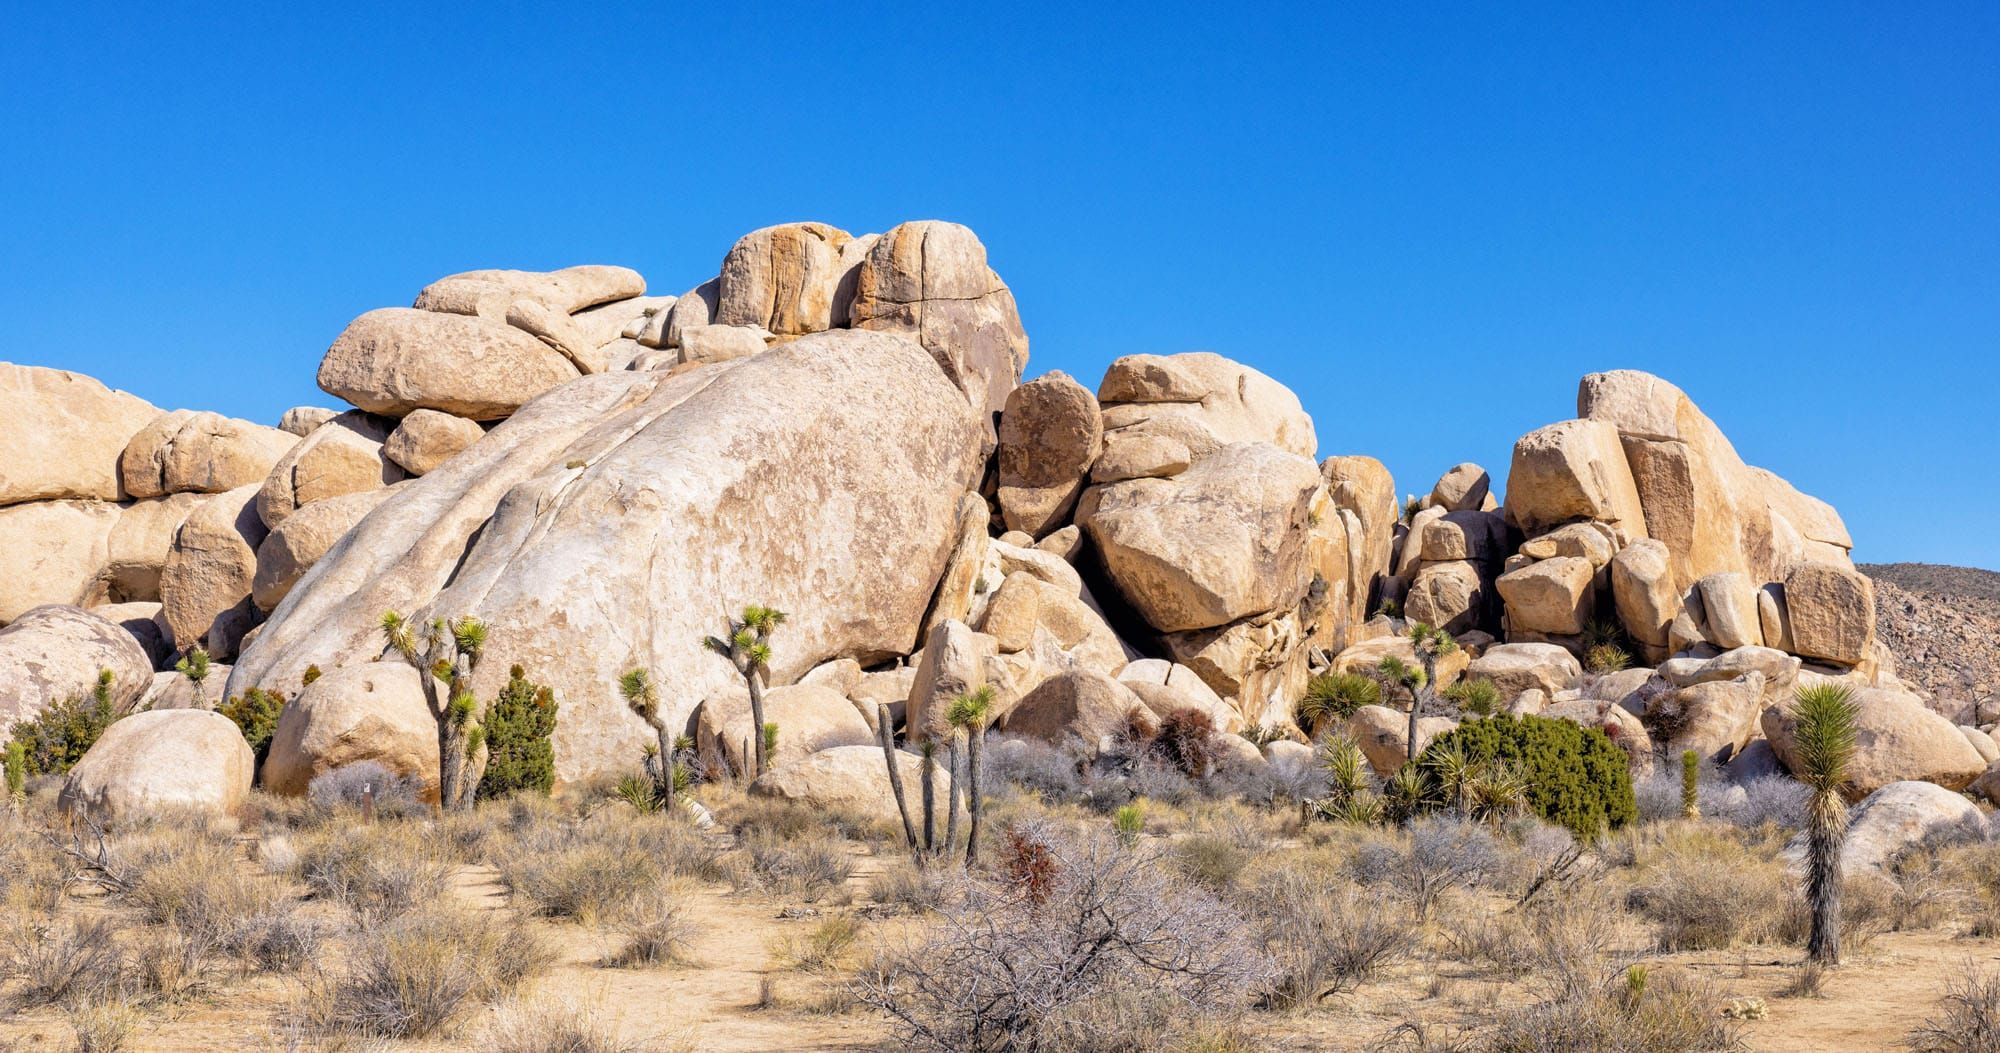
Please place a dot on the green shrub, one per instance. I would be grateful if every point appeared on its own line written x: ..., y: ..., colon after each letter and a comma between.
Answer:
x: 1577, y: 778
x: 60, y: 735
x: 256, y: 713
x: 1606, y: 658
x: 194, y: 665
x: 17, y: 770
x: 518, y: 726
x: 1475, y: 695
x: 1333, y: 697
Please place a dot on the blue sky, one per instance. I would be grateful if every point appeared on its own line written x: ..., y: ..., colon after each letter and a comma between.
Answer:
x: 1429, y: 224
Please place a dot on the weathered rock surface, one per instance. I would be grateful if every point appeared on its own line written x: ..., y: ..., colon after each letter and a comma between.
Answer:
x: 51, y: 654
x: 489, y: 293
x: 851, y: 779
x: 61, y: 434
x: 1202, y: 401
x: 1384, y: 735
x: 54, y: 552
x: 343, y: 456
x: 285, y: 554
x: 199, y: 452
x: 143, y: 620
x: 1550, y: 596
x: 810, y: 718
x: 929, y: 280
x: 1831, y: 612
x: 1892, y: 821
x: 1453, y: 595
x: 1897, y: 740
x: 426, y: 438
x: 1050, y: 435
x: 169, y: 762
x: 1573, y: 470
x: 1462, y: 489
x: 784, y: 278
x: 301, y: 420
x: 206, y: 582
x: 372, y: 711
x: 394, y: 360
x: 1080, y: 705
x: 1517, y: 667
x: 1716, y: 718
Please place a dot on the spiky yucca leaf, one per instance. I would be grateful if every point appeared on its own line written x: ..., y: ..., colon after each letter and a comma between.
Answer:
x: 758, y: 655
x: 762, y: 619
x: 469, y: 634
x: 636, y: 686
x: 970, y: 709
x: 1346, y: 766
x: 1824, y: 739
x: 401, y: 638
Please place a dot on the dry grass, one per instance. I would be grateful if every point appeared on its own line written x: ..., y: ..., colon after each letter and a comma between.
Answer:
x: 1967, y: 1018
x: 657, y: 928
x: 552, y: 1025
x: 810, y: 866
x: 1704, y: 888
x: 414, y: 976
x: 379, y: 872
x: 101, y: 1025
x: 64, y: 963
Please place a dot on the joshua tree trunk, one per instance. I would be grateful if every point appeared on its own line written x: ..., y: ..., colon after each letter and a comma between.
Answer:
x: 451, y: 764
x: 974, y: 806
x: 1417, y: 704
x: 1826, y: 831
x: 951, y: 798
x: 928, y: 794
x: 886, y: 732
x: 668, y: 767
x: 756, y: 717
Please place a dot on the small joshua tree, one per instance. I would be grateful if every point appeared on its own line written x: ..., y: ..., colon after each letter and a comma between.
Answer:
x: 969, y: 713
x: 1690, y: 785
x: 748, y: 648
x: 644, y: 699
x: 1430, y: 645
x: 445, y: 654
x: 1395, y: 673
x: 1825, y: 739
x: 194, y: 665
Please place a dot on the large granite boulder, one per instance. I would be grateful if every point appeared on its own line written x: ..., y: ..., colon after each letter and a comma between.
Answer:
x: 53, y: 552
x: 850, y: 779
x: 395, y: 360
x: 1570, y: 471
x: 1518, y: 667
x: 206, y: 582
x: 1202, y: 401
x: 488, y: 294
x: 345, y: 455
x: 1895, y: 819
x: 61, y: 435
x: 426, y: 438
x: 1550, y: 596
x: 929, y: 280
x: 372, y: 711
x: 809, y: 717
x: 186, y: 451
x: 174, y: 762
x: 785, y: 279
x: 1830, y: 612
x: 136, y: 549
x: 1082, y: 706
x: 286, y: 553
x: 1050, y: 435
x: 52, y: 654
x: 1897, y: 740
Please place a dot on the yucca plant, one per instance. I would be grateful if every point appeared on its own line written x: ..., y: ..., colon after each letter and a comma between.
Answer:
x: 445, y: 653
x: 969, y: 713
x: 1823, y: 747
x: 1690, y: 785
x: 17, y: 772
x: 1127, y: 822
x: 748, y: 648
x: 1407, y: 795
x: 1495, y: 791
x: 1333, y: 696
x: 1430, y: 645
x: 1350, y: 785
x: 194, y: 665
x: 1477, y: 696
x: 642, y: 696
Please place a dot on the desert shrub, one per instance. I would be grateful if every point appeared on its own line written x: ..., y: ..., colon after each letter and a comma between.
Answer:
x: 822, y: 947
x: 551, y: 1025
x: 583, y: 881
x: 1476, y: 695
x: 32, y: 880
x: 657, y: 929
x: 379, y: 872
x: 1564, y: 942
x: 1868, y: 908
x: 416, y: 975
x: 1323, y: 939
x: 911, y: 887
x: 1433, y: 856
x: 1606, y: 658
x: 1333, y: 697
x: 1211, y: 860
x: 256, y: 714
x: 101, y: 1024
x: 1704, y: 890
x: 1079, y: 922
x: 809, y: 867
x: 193, y: 884
x: 282, y: 939
x: 1022, y: 764
x: 1966, y: 1019
x: 55, y: 739
x: 1186, y: 741
x: 784, y: 820
x: 63, y: 963
x: 349, y: 786
x: 1149, y: 777
x: 1576, y: 777
x: 166, y: 964
x: 1665, y: 1013
x: 520, y: 756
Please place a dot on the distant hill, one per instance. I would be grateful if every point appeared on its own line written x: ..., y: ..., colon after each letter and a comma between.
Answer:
x: 1943, y: 625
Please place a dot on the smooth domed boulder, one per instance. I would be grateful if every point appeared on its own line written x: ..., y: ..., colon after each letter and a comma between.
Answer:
x: 953, y: 663
x: 782, y: 278
x: 138, y: 544
x: 1642, y: 588
x: 1982, y: 743
x: 1201, y: 400
x: 809, y: 717
x: 199, y: 452
x: 489, y: 293
x: 301, y: 420
x: 930, y: 280
x: 168, y: 762
x: 1453, y: 595
x: 1473, y: 535
x: 394, y: 360
x: 1363, y: 657
x: 1573, y: 470
x: 374, y: 711
x: 1080, y: 705
x: 1384, y: 735
x: 173, y: 690
x: 1463, y: 488
x: 851, y: 780
x: 54, y: 552
x: 1729, y: 609
x: 1516, y: 667
x: 345, y: 455
x: 1024, y: 603
x: 1892, y: 821
x: 694, y: 308
x: 141, y: 618
x: 1830, y: 612
x: 821, y: 477
x: 1224, y: 540
x: 55, y: 653
x: 1549, y: 596
x: 426, y: 438
x: 285, y: 554
x: 1594, y: 542
x: 1897, y: 740
x: 62, y: 433
x: 1716, y: 719
x: 1050, y: 435
x: 206, y: 581
x: 704, y: 344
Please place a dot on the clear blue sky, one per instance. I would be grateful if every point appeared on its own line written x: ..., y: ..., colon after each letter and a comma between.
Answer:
x: 1427, y: 224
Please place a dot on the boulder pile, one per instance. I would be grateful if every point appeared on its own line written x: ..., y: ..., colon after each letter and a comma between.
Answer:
x: 837, y: 426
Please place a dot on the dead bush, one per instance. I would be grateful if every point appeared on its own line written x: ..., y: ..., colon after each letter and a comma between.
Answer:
x: 412, y: 976
x: 64, y: 962
x: 1868, y: 908
x: 1642, y: 1013
x: 196, y: 886
x: 1324, y: 938
x: 1703, y: 889
x: 657, y: 928
x: 101, y: 1024
x: 810, y: 867
x: 379, y: 871
x: 282, y: 939
x: 1433, y: 856
x: 585, y: 882
x: 1084, y: 923
x: 551, y: 1025
x: 1966, y: 1019
x: 822, y: 948
x: 908, y: 886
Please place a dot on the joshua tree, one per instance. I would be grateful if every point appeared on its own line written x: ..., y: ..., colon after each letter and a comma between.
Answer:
x: 1824, y: 745
x: 969, y: 713
x: 1394, y: 672
x: 445, y: 653
x: 193, y: 665
x: 1690, y: 785
x: 1430, y: 645
x: 885, y: 731
x: 748, y: 648
x: 927, y: 792
x: 644, y: 698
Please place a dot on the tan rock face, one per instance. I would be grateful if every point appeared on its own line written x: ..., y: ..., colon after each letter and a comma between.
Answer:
x: 1518, y: 667
x: 1589, y: 541
x: 1141, y: 456
x: 54, y: 552
x: 426, y: 438
x: 953, y: 664
x: 1729, y: 604
x: 205, y: 453
x: 1362, y: 485
x: 696, y: 307
x: 343, y: 456
x: 50, y: 654
x: 702, y: 344
x: 1050, y: 435
x: 61, y: 435
x: 285, y: 554
x: 372, y: 711
x: 1473, y: 535
x: 1462, y: 489
x: 205, y: 584
x: 1642, y: 586
x: 395, y: 360
x: 1552, y: 596
x: 849, y: 779
x: 138, y: 544
x: 930, y: 280
x: 1453, y: 596
x: 1088, y: 707
x: 1716, y: 719
x: 170, y: 762
x: 488, y: 293
x: 301, y: 420
x: 810, y: 718
x: 783, y: 278
x: 1573, y: 470
x: 1224, y: 540
x: 1384, y: 735
x: 821, y: 477
x: 1831, y: 612
x: 1201, y: 400
x: 1259, y: 664
x: 1897, y: 739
